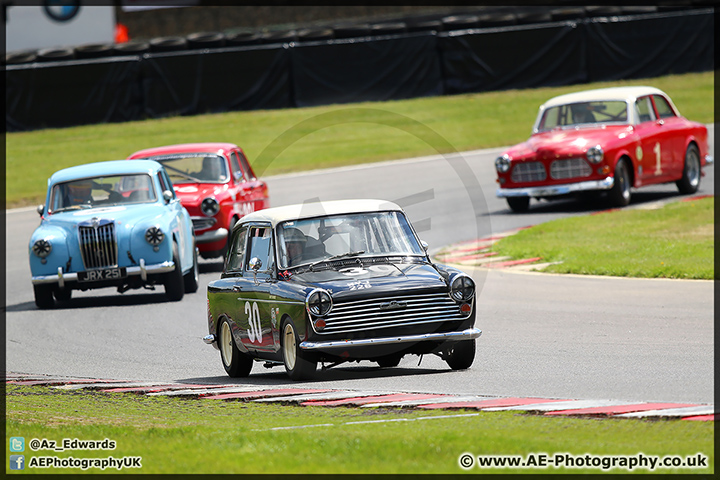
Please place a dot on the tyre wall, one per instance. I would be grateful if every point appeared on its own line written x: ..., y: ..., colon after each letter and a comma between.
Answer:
x: 154, y: 84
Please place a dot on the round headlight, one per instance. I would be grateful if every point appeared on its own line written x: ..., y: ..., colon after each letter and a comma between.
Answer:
x: 595, y: 154
x: 502, y: 164
x: 154, y: 235
x: 42, y: 248
x: 210, y: 207
x: 462, y: 288
x: 318, y: 302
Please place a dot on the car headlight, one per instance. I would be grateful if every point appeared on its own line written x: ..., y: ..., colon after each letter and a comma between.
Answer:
x: 595, y: 154
x: 318, y: 302
x: 210, y: 207
x: 42, y: 248
x: 462, y: 288
x: 502, y: 164
x: 154, y: 236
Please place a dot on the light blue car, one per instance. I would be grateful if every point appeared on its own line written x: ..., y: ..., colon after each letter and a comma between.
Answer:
x: 112, y: 224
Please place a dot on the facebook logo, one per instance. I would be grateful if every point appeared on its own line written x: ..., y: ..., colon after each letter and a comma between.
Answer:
x: 17, y: 444
x: 17, y: 462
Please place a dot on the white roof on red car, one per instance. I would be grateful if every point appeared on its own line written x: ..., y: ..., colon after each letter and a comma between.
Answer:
x: 627, y: 94
x: 276, y: 215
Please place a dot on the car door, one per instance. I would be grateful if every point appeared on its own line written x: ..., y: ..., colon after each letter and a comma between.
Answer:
x: 185, y: 235
x: 255, y: 192
x: 673, y: 132
x: 654, y: 157
x: 253, y: 307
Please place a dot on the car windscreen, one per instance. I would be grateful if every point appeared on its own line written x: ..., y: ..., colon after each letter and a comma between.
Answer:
x: 102, y: 191
x: 343, y: 236
x: 195, y: 168
x: 583, y: 113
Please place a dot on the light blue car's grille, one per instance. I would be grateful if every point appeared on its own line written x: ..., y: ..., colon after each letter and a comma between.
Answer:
x: 98, y: 245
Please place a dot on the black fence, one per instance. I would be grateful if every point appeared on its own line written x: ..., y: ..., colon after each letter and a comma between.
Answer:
x: 386, y: 67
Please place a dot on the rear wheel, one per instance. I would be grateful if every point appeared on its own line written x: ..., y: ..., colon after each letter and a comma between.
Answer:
x: 620, y: 192
x: 461, y: 355
x: 690, y: 181
x: 43, y: 296
x: 298, y: 367
x: 235, y: 363
x: 518, y: 204
x: 174, y: 285
x: 191, y: 278
x: 389, y: 361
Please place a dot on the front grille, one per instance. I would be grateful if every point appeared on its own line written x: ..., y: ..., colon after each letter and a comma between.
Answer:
x: 570, y: 168
x: 388, y: 312
x: 528, y: 172
x: 98, y: 245
x: 202, y: 223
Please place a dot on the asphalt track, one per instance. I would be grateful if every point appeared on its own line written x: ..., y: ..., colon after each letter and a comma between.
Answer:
x: 545, y: 336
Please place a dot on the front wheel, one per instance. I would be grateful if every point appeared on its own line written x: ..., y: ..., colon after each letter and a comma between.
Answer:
x: 298, y: 367
x: 174, y: 284
x: 43, y: 296
x: 518, y: 204
x: 461, y: 355
x: 235, y: 363
x: 191, y: 279
x: 620, y: 192
x: 690, y: 181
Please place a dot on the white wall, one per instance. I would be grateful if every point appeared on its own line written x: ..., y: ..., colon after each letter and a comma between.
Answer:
x: 30, y: 27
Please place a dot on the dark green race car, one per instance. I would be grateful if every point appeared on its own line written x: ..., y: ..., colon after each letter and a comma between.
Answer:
x: 334, y: 282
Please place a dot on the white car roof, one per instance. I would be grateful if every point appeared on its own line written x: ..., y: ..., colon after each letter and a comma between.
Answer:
x: 276, y: 215
x: 627, y: 94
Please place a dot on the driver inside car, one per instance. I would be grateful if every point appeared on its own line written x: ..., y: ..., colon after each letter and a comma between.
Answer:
x: 79, y: 193
x: 295, y: 242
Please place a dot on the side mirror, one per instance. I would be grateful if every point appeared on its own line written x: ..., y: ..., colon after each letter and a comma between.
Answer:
x: 255, y: 264
x: 424, y: 245
x: 40, y: 209
x: 167, y: 196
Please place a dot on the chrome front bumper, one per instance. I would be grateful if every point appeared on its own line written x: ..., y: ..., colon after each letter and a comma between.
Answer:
x: 212, y: 236
x: 553, y: 190
x: 709, y: 160
x: 143, y: 270
x: 469, y: 334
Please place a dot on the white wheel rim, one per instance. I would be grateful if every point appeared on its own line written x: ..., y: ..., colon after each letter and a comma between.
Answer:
x: 226, y: 344
x: 289, y: 346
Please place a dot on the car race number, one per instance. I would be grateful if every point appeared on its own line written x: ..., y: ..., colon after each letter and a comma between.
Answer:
x: 254, y: 330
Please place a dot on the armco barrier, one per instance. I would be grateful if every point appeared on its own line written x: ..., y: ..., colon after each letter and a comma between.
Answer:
x: 146, y: 84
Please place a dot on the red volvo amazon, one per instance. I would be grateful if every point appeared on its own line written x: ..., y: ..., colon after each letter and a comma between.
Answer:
x: 217, y: 186
x: 607, y: 140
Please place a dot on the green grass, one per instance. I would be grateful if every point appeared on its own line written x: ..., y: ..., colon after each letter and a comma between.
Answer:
x: 175, y: 435
x: 675, y: 241
x: 292, y: 140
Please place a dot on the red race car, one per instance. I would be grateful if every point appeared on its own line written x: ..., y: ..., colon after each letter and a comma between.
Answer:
x: 217, y: 186
x: 606, y: 140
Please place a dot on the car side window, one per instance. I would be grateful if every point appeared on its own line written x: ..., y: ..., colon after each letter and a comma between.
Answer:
x: 260, y: 247
x: 236, y: 170
x: 644, y: 109
x: 236, y: 255
x: 165, y: 183
x: 247, y: 169
x: 663, y: 107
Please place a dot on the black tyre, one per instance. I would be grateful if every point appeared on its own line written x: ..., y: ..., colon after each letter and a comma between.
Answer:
x: 235, y: 363
x: 192, y: 278
x: 297, y: 366
x: 43, y: 296
x: 518, y: 204
x: 174, y: 284
x: 389, y: 361
x: 690, y: 181
x: 619, y: 194
x: 461, y: 355
x: 62, y: 294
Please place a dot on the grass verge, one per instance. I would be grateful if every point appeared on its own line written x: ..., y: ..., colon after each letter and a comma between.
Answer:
x: 292, y: 140
x: 175, y: 435
x: 674, y: 241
